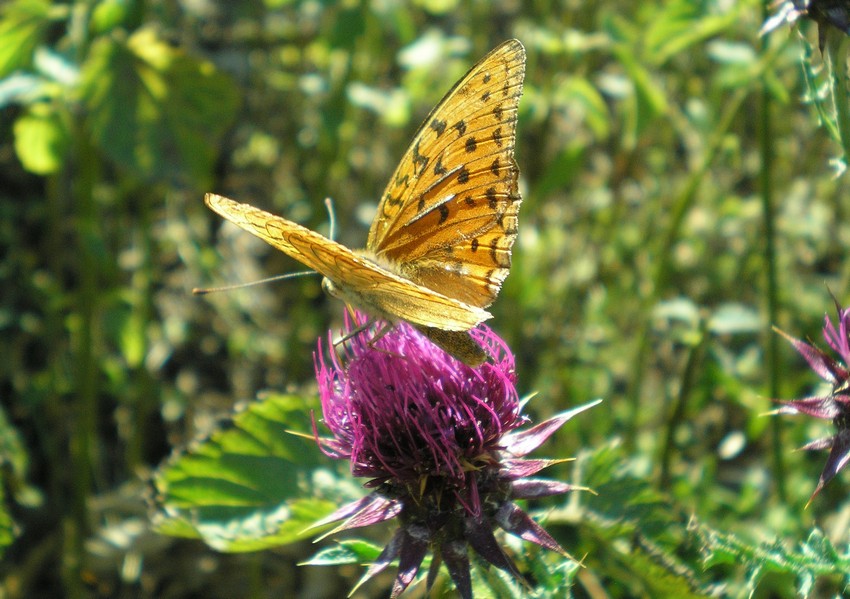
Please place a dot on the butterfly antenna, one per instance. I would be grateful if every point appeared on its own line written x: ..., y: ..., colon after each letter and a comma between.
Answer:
x: 289, y: 275
x: 329, y: 205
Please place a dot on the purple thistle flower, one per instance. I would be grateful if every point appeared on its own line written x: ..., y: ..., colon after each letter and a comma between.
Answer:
x: 435, y: 439
x: 835, y: 405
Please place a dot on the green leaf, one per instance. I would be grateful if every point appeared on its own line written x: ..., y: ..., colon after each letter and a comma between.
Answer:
x: 682, y: 25
x: 154, y: 110
x: 23, y: 25
x: 582, y: 93
x: 649, y: 100
x: 42, y: 139
x: 345, y: 553
x: 816, y: 557
x: 109, y: 14
x: 15, y: 462
x: 248, y: 487
x: 7, y: 525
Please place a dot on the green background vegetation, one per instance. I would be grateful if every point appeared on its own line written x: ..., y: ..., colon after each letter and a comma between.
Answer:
x: 682, y: 193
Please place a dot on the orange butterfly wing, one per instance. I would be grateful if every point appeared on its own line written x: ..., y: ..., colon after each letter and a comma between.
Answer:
x: 448, y: 217
x: 358, y: 280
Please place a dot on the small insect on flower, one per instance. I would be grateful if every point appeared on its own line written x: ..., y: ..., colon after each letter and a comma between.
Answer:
x: 436, y: 439
x: 835, y: 405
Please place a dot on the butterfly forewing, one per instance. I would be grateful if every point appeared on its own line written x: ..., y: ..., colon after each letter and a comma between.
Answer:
x: 361, y: 282
x: 448, y: 217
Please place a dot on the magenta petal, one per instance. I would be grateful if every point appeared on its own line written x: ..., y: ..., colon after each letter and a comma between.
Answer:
x: 837, y: 460
x: 821, y: 406
x: 838, y: 340
x: 481, y: 538
x: 536, y: 488
x: 349, y: 508
x: 517, y: 522
x: 825, y: 366
x: 413, y: 549
x: 517, y: 469
x: 457, y: 562
x: 524, y: 442
x: 390, y: 553
x: 819, y: 444
x: 378, y: 511
x: 367, y: 511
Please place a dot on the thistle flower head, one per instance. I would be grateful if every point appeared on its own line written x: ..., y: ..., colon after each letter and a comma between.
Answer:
x: 835, y: 405
x: 436, y: 440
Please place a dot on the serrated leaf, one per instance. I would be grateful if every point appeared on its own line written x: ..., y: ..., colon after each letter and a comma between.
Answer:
x: 23, y: 25
x: 248, y: 487
x: 816, y: 557
x: 154, y: 110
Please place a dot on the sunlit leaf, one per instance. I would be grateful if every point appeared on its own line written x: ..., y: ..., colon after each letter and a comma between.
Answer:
x: 42, y: 139
x: 14, y: 457
x: 248, y: 487
x: 23, y: 25
x: 109, y: 14
x: 346, y: 552
x: 154, y: 110
x: 7, y: 529
x: 682, y: 25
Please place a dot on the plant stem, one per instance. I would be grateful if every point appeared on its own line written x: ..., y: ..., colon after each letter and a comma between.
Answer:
x: 837, y: 49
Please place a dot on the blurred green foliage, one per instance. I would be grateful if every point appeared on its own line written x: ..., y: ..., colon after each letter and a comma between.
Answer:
x: 683, y: 191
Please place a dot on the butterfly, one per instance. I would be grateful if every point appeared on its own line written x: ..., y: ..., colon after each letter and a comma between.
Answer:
x: 439, y: 247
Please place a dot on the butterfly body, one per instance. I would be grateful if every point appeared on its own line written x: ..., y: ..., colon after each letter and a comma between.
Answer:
x: 439, y: 247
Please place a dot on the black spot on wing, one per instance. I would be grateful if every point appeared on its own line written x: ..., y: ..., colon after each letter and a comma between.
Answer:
x: 439, y: 169
x: 418, y: 159
x: 444, y: 213
x: 463, y: 175
x: 497, y: 136
x: 496, y: 252
x: 471, y: 144
x: 438, y: 126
